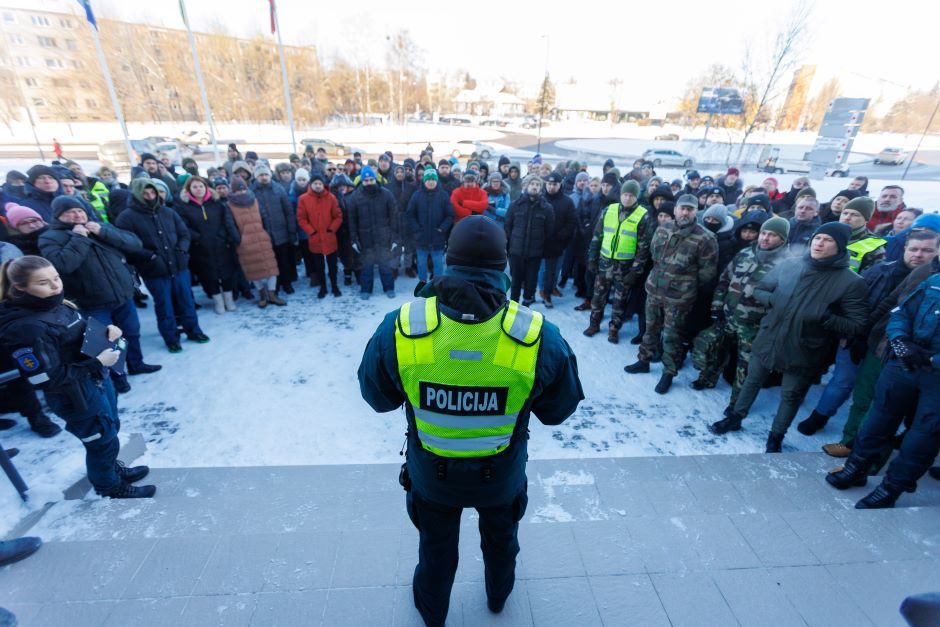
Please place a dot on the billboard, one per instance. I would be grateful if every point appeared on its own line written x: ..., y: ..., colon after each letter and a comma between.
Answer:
x: 720, y: 100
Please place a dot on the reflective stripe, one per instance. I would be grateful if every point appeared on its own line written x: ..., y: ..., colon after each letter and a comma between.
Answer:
x: 487, y: 443
x: 417, y: 321
x: 522, y: 322
x: 858, y: 250
x: 91, y: 438
x: 620, y: 238
x: 466, y: 355
x: 449, y: 421
x: 36, y: 379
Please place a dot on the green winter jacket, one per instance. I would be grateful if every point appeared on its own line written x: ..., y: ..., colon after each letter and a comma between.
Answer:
x: 735, y: 291
x: 684, y: 261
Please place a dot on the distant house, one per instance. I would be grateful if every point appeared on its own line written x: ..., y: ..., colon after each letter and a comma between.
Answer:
x: 575, y: 101
x: 487, y: 103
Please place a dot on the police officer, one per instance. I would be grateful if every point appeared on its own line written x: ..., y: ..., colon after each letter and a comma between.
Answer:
x: 44, y: 337
x: 470, y: 366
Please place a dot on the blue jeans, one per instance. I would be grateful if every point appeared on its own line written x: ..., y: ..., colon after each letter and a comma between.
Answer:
x: 125, y: 318
x: 166, y: 291
x: 96, y: 425
x: 437, y: 258
x: 371, y: 258
x: 839, y: 388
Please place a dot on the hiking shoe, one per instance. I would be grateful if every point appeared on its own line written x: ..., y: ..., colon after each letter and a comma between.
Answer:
x: 814, y: 423
x: 131, y: 474
x: 125, y: 490
x: 883, y: 497
x: 637, y: 368
x: 836, y: 449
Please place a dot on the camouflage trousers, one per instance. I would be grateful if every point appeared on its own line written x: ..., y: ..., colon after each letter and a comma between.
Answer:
x: 666, y: 320
x: 613, y: 287
x: 735, y: 341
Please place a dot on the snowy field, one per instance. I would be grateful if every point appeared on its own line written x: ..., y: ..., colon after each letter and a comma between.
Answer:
x: 278, y: 387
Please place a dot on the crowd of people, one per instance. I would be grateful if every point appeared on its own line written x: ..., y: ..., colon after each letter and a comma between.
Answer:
x: 761, y: 285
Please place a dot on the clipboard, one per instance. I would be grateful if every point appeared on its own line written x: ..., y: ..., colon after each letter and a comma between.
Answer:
x: 96, y: 340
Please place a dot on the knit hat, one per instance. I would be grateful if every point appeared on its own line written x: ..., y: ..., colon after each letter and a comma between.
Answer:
x: 582, y: 176
x: 63, y: 203
x: 409, y: 163
x: 718, y: 212
x: 304, y: 173
x: 778, y: 225
x: 251, y: 154
x: 733, y: 171
x: 531, y: 178
x: 317, y: 176
x: 241, y: 165
x: 837, y: 231
x: 471, y: 175
x: 554, y: 177
x: 340, y: 178
x: 188, y: 161
x: 367, y: 172
x: 806, y: 191
x: 15, y: 175
x: 478, y: 242
x: 753, y: 219
x: 262, y: 169
x: 39, y: 170
x: 848, y: 194
x: 443, y: 162
x: 161, y: 186
x: 220, y: 180
x: 707, y: 180
x: 929, y: 221
x: 668, y: 207
x: 17, y: 213
x: 713, y: 189
x: 761, y: 200
x: 630, y: 187
x: 611, y: 179
x: 495, y: 176
x: 292, y: 157
x: 537, y: 159
x: 430, y: 174
x: 692, y: 175
x: 232, y: 147
x: 687, y: 200
x: 148, y: 156
x: 863, y: 204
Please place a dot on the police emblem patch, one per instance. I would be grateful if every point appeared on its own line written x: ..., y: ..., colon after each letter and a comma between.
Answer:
x: 27, y: 360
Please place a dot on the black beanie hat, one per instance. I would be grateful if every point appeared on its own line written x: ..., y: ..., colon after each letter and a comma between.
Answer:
x: 38, y: 170
x: 16, y: 175
x: 611, y: 179
x: 61, y: 204
x: 837, y: 231
x: 478, y: 242
x: 667, y: 207
x: 761, y: 200
x: 146, y: 156
x: 503, y: 160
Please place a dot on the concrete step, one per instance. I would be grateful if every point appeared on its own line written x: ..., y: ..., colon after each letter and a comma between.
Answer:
x: 740, y: 539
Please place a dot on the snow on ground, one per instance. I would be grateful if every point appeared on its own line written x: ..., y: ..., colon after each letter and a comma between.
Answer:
x: 278, y: 387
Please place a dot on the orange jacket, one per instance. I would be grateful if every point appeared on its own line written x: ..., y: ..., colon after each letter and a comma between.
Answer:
x: 320, y: 217
x: 468, y: 201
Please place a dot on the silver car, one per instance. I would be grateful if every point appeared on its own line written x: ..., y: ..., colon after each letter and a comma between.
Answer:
x: 664, y: 157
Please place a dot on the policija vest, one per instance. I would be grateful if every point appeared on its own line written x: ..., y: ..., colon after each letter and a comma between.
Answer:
x: 467, y: 383
x: 862, y: 247
x: 619, y: 241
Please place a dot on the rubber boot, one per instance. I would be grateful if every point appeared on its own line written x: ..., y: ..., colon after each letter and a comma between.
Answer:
x: 218, y: 304
x: 228, y: 299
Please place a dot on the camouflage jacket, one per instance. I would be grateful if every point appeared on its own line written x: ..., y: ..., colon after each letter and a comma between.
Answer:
x: 629, y: 272
x: 684, y: 261
x: 735, y: 291
x: 875, y: 256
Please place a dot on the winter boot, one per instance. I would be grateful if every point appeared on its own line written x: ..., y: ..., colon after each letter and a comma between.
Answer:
x: 853, y: 474
x: 836, y: 449
x: 314, y: 280
x: 613, y: 335
x: 228, y: 299
x: 774, y: 442
x: 140, y: 299
x: 347, y: 279
x: 665, y: 382
x: 556, y: 292
x: 43, y: 426
x: 12, y: 452
x: 883, y: 497
x: 731, y: 422
x: 702, y: 384
x: 7, y: 423
x: 275, y: 299
x: 594, y: 326
x: 814, y: 423
x: 322, y: 293
x: 125, y: 490
x: 548, y: 303
x: 218, y: 304
x: 15, y: 550
x: 143, y: 368
x: 336, y: 291
x: 132, y: 474
x: 528, y: 302
x: 121, y: 385
x: 263, y: 297
x: 637, y: 339
x: 636, y: 368
x: 584, y: 306
x: 199, y: 337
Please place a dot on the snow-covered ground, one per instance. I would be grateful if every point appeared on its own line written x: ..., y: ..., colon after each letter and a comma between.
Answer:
x: 278, y: 386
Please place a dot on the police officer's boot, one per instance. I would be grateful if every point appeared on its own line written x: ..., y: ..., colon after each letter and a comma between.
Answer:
x: 814, y: 423
x: 883, y: 497
x: 43, y: 426
x: 853, y: 474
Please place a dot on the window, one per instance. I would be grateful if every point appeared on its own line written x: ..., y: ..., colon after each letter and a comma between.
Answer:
x: 47, y: 42
x: 32, y: 82
x: 71, y: 44
x: 78, y: 64
x: 9, y: 18
x: 15, y: 39
x: 55, y: 63
x: 39, y: 20
x: 65, y: 23
x: 91, y: 104
x: 39, y: 102
x: 23, y: 61
x: 60, y: 82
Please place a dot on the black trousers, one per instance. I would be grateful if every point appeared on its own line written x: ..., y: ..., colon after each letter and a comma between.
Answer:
x: 439, y: 529
x: 318, y: 268
x: 524, y: 272
x: 286, y: 268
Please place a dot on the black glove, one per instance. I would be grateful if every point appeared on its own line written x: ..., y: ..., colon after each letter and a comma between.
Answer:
x: 912, y: 355
x: 858, y: 347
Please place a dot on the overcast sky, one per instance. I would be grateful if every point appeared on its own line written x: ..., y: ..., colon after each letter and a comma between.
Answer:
x: 872, y: 45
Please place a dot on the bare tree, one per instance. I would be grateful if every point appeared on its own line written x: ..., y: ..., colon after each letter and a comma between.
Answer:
x: 764, y: 79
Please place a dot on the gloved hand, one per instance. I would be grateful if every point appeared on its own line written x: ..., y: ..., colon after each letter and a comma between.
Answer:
x: 592, y: 267
x: 355, y: 247
x: 912, y: 355
x: 857, y: 346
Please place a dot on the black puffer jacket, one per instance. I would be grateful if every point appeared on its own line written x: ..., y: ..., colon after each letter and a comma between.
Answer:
x: 373, y: 218
x: 566, y: 224
x: 280, y: 221
x: 530, y: 221
x: 214, y: 239
x: 93, y: 268
x: 162, y: 232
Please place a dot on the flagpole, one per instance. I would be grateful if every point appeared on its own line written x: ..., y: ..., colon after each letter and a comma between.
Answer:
x: 202, y: 84
x: 110, y: 84
x: 280, y: 48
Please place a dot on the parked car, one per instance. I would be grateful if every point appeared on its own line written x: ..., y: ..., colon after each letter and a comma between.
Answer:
x: 467, y: 147
x: 495, y: 122
x: 661, y: 157
x: 331, y: 147
x: 200, y: 136
x: 891, y: 156
x: 114, y: 154
x: 794, y: 160
x: 175, y: 151
x: 673, y: 137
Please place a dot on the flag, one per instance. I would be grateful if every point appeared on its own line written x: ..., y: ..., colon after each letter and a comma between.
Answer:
x: 272, y: 16
x: 86, y: 4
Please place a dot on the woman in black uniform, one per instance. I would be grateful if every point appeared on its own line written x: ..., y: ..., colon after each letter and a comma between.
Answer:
x: 43, y: 335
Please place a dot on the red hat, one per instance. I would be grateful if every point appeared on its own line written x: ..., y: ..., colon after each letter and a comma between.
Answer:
x: 734, y: 171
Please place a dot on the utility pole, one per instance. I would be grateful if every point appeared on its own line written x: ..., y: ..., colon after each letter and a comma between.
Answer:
x: 920, y: 141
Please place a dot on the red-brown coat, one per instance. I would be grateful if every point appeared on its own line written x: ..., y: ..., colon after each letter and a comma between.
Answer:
x: 320, y: 217
x: 255, y: 253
